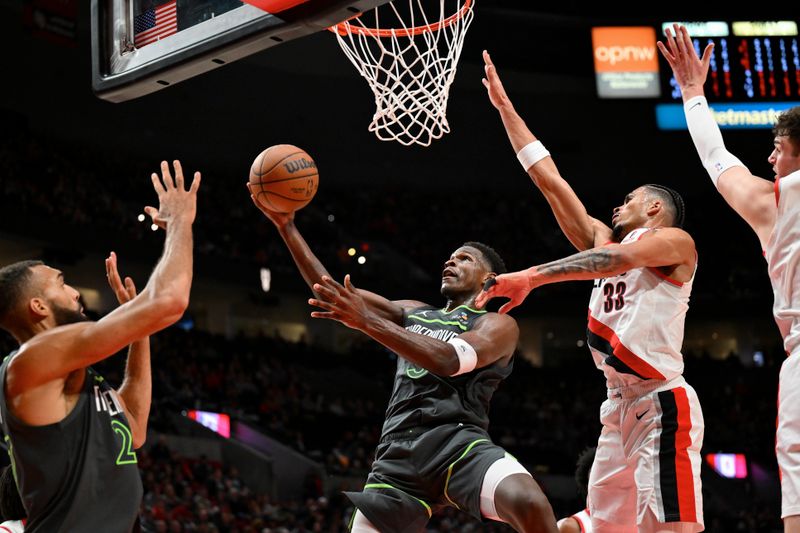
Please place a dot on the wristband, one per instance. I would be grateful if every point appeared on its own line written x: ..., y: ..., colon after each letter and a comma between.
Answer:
x: 467, y: 357
x: 532, y: 153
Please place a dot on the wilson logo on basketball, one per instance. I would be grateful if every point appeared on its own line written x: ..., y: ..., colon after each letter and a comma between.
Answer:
x: 283, y: 178
x: 298, y: 164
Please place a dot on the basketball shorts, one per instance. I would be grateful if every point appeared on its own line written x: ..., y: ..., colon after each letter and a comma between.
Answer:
x: 787, y: 443
x: 648, y: 456
x: 412, y: 479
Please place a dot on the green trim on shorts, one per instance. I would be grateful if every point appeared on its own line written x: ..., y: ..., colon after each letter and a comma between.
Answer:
x: 352, y: 519
x: 450, y: 469
x: 387, y: 486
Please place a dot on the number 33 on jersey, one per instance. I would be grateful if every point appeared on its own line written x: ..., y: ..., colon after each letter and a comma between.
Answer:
x: 636, y: 321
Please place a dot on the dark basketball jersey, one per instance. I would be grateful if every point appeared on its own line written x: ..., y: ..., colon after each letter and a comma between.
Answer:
x: 421, y: 399
x: 78, y: 475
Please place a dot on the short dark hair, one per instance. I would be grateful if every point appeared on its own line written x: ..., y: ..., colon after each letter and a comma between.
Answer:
x: 496, y: 262
x: 672, y: 200
x: 14, y: 281
x: 11, y: 507
x: 788, y: 124
x: 583, y: 468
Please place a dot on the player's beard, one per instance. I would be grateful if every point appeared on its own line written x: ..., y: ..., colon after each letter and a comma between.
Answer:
x: 64, y: 315
x: 618, y: 233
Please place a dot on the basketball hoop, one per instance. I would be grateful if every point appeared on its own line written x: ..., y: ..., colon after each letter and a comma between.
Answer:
x: 409, y: 65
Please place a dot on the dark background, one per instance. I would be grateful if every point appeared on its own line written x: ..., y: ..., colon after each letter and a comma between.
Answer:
x: 305, y: 92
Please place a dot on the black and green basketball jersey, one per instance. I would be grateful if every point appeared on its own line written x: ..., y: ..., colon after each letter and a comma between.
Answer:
x: 421, y: 399
x: 78, y: 475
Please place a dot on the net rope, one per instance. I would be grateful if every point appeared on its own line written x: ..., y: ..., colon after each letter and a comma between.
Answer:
x: 409, y: 68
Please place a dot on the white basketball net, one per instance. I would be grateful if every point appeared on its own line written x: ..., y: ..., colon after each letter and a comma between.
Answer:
x: 409, y: 65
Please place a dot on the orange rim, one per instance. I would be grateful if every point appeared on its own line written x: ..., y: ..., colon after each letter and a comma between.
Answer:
x: 345, y: 28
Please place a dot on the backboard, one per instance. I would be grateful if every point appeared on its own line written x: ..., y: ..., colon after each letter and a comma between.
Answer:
x: 142, y: 46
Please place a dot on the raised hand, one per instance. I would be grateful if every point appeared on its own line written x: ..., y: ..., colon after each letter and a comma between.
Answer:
x: 342, y: 303
x: 497, y: 93
x: 125, y: 292
x: 516, y: 286
x: 174, y: 201
x: 689, y: 70
x: 279, y: 219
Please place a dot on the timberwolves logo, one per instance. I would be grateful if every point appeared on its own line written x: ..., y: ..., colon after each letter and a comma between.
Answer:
x: 414, y: 372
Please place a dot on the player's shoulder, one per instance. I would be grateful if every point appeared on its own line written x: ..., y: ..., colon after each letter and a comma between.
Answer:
x: 412, y: 305
x: 55, y: 336
x: 667, y: 232
x: 496, y: 320
x: 54, y: 339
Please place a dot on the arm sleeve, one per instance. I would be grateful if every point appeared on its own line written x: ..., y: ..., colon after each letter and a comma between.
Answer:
x: 707, y: 138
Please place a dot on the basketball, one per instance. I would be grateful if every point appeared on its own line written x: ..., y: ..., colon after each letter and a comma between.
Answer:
x: 283, y: 178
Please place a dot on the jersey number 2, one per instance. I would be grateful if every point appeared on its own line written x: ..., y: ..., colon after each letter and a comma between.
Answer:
x: 126, y: 454
x: 615, y: 296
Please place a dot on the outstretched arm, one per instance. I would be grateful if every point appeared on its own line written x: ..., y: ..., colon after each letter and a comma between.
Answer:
x: 137, y: 386
x: 750, y: 196
x: 50, y: 357
x: 494, y: 337
x: 666, y: 247
x: 582, y: 230
x: 313, y: 270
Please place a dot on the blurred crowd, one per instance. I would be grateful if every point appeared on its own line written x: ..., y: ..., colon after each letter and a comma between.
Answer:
x: 200, y: 495
x: 197, y: 495
x: 544, y: 416
x: 97, y: 196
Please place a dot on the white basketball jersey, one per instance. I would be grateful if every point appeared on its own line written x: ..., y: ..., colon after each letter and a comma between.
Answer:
x: 636, y: 324
x: 782, y: 254
x: 12, y: 526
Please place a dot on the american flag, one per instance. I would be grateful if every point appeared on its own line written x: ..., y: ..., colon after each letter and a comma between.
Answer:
x: 155, y: 24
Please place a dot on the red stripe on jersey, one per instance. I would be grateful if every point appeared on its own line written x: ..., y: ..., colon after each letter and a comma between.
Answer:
x: 683, y: 465
x: 777, y: 190
x: 666, y: 278
x: 636, y: 363
x: 777, y: 425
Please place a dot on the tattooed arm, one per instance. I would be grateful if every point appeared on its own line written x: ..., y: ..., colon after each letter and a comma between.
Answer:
x: 600, y: 262
x: 668, y: 248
